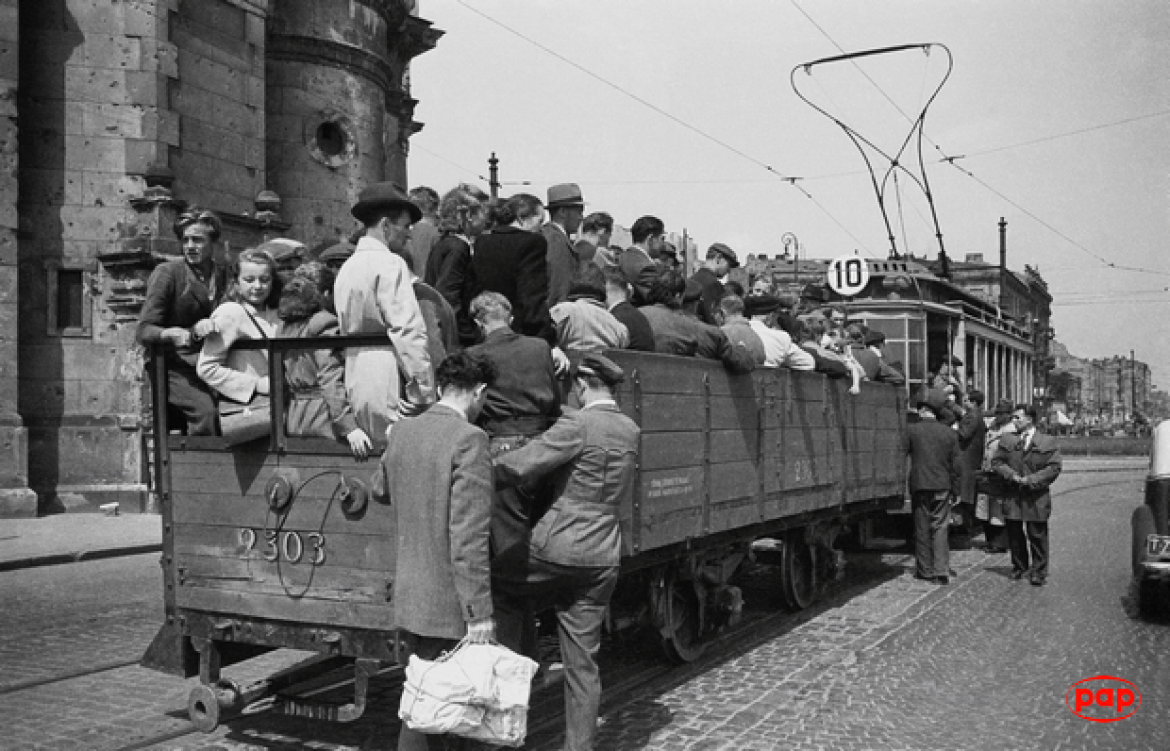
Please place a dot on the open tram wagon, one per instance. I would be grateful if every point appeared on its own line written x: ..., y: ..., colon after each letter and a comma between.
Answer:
x: 280, y: 543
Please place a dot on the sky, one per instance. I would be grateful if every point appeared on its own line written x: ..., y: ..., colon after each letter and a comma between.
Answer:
x: 1055, y: 116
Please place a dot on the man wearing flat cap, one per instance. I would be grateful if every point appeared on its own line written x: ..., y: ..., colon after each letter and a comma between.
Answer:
x: 719, y: 262
x: 288, y: 254
x: 566, y: 208
x: 575, y: 548
x: 373, y: 295
x: 935, y: 472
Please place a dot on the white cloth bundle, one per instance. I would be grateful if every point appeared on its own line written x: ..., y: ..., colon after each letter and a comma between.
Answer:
x: 476, y: 691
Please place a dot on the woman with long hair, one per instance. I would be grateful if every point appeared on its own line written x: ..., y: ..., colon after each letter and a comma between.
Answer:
x: 463, y: 216
x: 248, y: 312
x: 317, y: 403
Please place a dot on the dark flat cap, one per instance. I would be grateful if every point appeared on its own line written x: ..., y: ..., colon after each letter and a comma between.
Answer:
x: 585, y: 290
x: 874, y: 338
x: 956, y: 362
x: 601, y: 367
x: 934, y: 398
x: 726, y: 252
x: 380, y: 197
x: 339, y: 252
x: 285, y: 251
x: 758, y: 305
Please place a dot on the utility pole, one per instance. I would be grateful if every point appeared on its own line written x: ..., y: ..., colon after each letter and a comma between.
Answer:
x: 494, y: 176
x: 1133, y: 388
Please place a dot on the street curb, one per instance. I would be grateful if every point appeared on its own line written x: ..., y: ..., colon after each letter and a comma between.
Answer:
x: 78, y: 556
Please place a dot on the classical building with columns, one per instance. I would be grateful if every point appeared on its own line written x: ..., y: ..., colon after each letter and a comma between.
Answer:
x: 114, y: 116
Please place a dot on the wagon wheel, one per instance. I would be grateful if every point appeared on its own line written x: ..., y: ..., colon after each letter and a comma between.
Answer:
x: 679, y: 627
x: 798, y: 576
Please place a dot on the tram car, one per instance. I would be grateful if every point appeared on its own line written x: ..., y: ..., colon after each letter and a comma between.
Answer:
x: 278, y: 542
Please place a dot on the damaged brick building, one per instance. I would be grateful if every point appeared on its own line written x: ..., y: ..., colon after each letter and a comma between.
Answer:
x: 115, y: 115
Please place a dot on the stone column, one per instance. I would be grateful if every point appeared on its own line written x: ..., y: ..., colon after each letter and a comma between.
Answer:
x: 16, y: 499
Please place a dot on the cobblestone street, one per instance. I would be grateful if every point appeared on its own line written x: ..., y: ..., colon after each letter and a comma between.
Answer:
x: 885, y: 662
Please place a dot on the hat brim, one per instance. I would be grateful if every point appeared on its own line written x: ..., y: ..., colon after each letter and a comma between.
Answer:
x: 363, y: 210
x: 731, y: 261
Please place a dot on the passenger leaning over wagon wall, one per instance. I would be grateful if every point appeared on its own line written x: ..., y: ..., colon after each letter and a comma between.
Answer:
x: 582, y: 320
x: 678, y: 334
x: 779, y: 349
x: 373, y: 295
x: 180, y: 297
x: 317, y: 402
x: 738, y: 328
x: 249, y: 311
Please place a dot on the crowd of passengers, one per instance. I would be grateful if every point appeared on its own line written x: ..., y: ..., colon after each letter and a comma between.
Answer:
x: 533, y: 284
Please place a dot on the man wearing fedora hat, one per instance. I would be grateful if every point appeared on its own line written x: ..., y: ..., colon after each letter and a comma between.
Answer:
x: 373, y: 295
x: 566, y: 208
x: 719, y: 262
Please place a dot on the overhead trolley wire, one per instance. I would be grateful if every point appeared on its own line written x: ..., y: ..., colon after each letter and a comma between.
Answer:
x: 790, y: 179
x: 952, y: 159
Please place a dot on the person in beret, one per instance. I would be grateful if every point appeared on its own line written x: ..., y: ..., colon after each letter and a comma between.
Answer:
x: 591, y: 455
x: 718, y: 264
x: 373, y: 295
x: 870, y: 355
x: 566, y: 208
x: 935, y: 472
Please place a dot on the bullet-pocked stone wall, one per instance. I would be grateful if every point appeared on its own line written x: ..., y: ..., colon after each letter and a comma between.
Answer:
x: 94, y: 112
x: 16, y: 499
x: 218, y: 99
x: 327, y: 81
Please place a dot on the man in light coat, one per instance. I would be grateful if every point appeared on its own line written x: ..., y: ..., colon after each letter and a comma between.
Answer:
x: 374, y: 295
x: 575, y: 548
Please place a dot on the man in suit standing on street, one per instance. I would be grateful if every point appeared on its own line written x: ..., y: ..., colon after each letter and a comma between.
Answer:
x: 590, y: 455
x: 566, y: 208
x: 934, y: 481
x: 438, y: 472
x: 1029, y: 462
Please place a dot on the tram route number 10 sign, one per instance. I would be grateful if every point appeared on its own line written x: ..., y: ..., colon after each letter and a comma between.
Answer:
x: 848, y: 275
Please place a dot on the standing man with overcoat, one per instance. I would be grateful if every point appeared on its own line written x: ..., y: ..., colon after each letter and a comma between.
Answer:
x: 934, y: 480
x: 1029, y: 462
